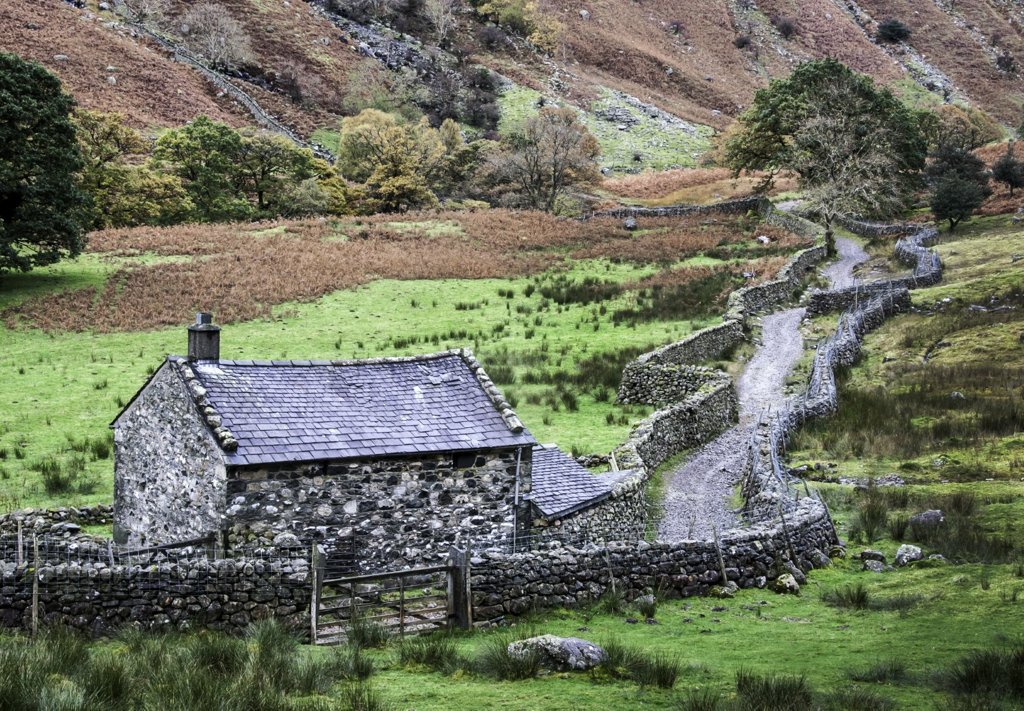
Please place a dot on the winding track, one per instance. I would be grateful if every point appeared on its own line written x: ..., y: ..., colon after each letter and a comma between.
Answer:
x: 697, y: 493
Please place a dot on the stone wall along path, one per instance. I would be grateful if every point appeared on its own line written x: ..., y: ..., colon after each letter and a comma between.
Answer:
x: 697, y: 493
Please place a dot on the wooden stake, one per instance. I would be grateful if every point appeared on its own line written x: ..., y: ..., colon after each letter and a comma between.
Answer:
x: 35, y: 586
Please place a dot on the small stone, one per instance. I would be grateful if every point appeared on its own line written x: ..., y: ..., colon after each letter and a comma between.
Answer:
x: 630, y: 224
x: 874, y: 566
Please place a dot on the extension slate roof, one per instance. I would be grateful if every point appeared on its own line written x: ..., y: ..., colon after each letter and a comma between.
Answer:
x: 562, y: 486
x: 289, y: 411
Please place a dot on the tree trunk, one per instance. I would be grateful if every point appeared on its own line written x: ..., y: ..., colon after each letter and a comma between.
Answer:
x: 830, y: 238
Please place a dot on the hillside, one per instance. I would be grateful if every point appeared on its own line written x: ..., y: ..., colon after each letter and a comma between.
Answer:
x: 699, y: 61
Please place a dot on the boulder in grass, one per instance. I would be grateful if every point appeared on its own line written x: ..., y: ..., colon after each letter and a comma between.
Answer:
x: 560, y: 653
x: 872, y: 555
x: 786, y: 584
x: 874, y: 566
x: 927, y: 520
x: 908, y: 554
x: 630, y: 224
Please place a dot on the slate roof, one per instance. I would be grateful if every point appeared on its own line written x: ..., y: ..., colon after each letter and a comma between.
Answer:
x: 560, y: 486
x: 292, y: 411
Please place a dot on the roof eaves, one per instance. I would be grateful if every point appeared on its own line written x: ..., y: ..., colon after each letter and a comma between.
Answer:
x: 502, y: 405
x: 205, y: 407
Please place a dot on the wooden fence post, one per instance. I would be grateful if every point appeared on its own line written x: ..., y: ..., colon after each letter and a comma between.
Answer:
x: 35, y: 586
x: 314, y: 595
x: 460, y: 599
x: 721, y: 559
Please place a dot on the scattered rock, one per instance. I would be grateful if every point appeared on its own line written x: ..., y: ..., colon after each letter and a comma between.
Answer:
x: 927, y: 520
x: 874, y: 566
x: 560, y: 653
x: 837, y: 552
x: 585, y: 14
x: 957, y: 395
x: 764, y: 239
x: 786, y: 584
x: 630, y: 224
x: 869, y: 554
x: 908, y: 554
x: 60, y: 57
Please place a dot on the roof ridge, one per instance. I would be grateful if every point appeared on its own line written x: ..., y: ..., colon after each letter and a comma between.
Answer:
x: 306, y: 362
x: 508, y: 415
x: 211, y: 417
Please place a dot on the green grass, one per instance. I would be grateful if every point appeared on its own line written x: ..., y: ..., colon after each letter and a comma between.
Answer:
x: 758, y: 632
x: 73, y: 384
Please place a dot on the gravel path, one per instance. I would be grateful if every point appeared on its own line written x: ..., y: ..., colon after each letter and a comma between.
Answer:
x: 697, y: 493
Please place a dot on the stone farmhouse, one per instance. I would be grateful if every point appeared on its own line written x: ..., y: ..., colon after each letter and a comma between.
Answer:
x: 399, y: 457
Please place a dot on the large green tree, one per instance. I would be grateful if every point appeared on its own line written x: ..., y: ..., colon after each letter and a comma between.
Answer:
x: 41, y: 206
x: 123, y: 192
x: 856, y: 149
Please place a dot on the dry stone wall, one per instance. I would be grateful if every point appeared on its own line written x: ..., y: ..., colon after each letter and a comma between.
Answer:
x: 911, y: 250
x: 98, y: 597
x: 568, y: 576
x: 54, y: 523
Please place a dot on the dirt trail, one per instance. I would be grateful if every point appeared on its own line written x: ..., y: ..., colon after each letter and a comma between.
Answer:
x: 697, y: 493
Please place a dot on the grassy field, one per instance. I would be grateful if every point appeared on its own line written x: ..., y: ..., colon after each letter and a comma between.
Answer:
x: 892, y: 649
x: 580, y: 301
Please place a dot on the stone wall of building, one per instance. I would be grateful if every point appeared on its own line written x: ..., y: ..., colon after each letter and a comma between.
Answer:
x: 155, y: 593
x: 169, y: 475
x: 570, y: 576
x: 402, y: 511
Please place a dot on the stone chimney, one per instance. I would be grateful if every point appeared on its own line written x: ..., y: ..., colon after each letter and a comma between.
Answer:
x: 203, y: 338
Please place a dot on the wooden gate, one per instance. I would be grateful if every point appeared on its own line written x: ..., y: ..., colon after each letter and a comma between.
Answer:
x: 403, y: 602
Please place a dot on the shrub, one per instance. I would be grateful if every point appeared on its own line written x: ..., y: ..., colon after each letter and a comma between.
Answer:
x: 872, y: 514
x: 852, y: 597
x: 55, y: 480
x: 367, y: 633
x: 658, y: 669
x: 363, y: 697
x: 647, y: 605
x: 646, y: 668
x: 611, y: 601
x: 701, y: 700
x: 892, y: 31
x: 438, y: 652
x: 898, y: 525
x: 885, y: 671
x: 998, y: 671
x: 493, y: 660
x: 619, y: 658
x: 859, y: 699
x: 772, y: 692
x: 785, y: 27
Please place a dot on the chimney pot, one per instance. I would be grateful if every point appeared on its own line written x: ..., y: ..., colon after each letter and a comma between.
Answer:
x: 203, y: 338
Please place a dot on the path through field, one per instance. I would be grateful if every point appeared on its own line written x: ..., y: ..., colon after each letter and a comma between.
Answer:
x: 697, y: 493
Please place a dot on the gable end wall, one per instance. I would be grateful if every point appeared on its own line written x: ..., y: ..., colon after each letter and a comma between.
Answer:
x: 169, y: 474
